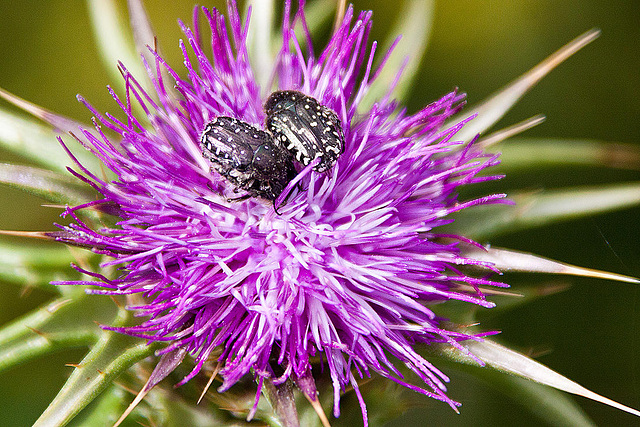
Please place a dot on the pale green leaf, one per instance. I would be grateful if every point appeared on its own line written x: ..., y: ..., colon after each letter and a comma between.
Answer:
x: 38, y: 143
x: 114, y: 41
x: 178, y: 412
x: 260, y: 39
x: 535, y: 209
x: 145, y: 38
x: 317, y: 14
x: 413, y: 24
x: 522, y: 295
x: 105, y: 409
x: 112, y: 355
x: 552, y: 406
x: 549, y: 404
x: 511, y: 362
x: 61, y: 123
x: 63, y: 323
x: 510, y: 260
x: 30, y: 265
x: 282, y: 400
x: 49, y: 185
x: 497, y: 105
x: 521, y: 154
x: 143, y: 34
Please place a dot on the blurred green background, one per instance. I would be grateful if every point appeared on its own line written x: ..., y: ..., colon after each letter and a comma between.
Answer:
x: 590, y: 332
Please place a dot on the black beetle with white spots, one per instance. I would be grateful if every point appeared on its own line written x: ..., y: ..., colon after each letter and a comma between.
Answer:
x: 308, y: 129
x: 261, y: 162
x: 247, y: 157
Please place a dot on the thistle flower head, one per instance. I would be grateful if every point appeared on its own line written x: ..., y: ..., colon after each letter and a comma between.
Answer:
x: 342, y: 274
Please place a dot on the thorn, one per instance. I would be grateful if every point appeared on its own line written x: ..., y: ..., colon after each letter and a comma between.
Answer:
x: 342, y: 5
x: 495, y: 106
x: 133, y: 404
x: 42, y: 334
x: 552, y: 288
x: 510, y: 131
x: 164, y: 367
x: 60, y: 123
x: 488, y: 291
x: 125, y: 388
x: 539, y: 351
x: 510, y: 260
x: 315, y: 403
x: 26, y: 291
x: 58, y: 304
x: 116, y: 301
x: 213, y: 375
x: 469, y: 325
x: 45, y: 235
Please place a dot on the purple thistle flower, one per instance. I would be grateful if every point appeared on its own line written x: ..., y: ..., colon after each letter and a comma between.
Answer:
x: 342, y: 275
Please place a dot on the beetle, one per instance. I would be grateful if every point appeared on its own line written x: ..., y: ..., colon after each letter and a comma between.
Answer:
x: 247, y: 157
x: 305, y: 128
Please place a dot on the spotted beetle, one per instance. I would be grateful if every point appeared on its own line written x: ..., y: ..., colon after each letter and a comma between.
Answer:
x: 247, y: 157
x: 305, y: 128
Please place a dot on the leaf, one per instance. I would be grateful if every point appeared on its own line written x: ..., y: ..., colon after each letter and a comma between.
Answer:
x: 414, y: 24
x: 282, y: 400
x: 31, y: 265
x: 178, y: 412
x: 510, y: 131
x: 49, y: 185
x: 317, y: 14
x: 509, y: 260
x: 551, y: 405
x: 168, y: 362
x: 535, y: 209
x: 264, y: 40
x: 143, y: 34
x: 63, y: 323
x: 144, y: 38
x: 525, y: 294
x: 105, y: 408
x: 114, y: 41
x: 511, y: 362
x: 112, y: 355
x: 60, y: 123
x: 38, y: 142
x: 260, y: 39
x: 497, y: 105
x: 522, y: 154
